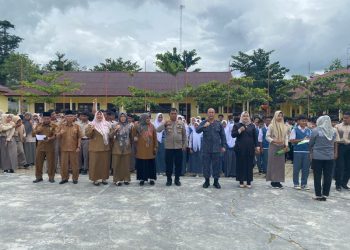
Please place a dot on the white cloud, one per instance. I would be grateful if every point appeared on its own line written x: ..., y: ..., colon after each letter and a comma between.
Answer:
x: 91, y: 30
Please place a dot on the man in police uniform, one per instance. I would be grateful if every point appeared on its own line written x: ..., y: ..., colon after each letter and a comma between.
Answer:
x: 175, y: 143
x: 45, y: 148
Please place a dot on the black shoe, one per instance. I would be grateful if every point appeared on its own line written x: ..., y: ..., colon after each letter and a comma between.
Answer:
x: 119, y: 184
x: 151, y: 182
x: 52, y: 180
x: 38, y: 180
x: 104, y: 182
x: 338, y: 188
x: 26, y: 165
x: 177, y: 183
x: 216, y: 184
x: 206, y: 184
x: 169, y: 182
x: 126, y: 183
x: 6, y: 171
x: 279, y: 185
x: 63, y: 181
x: 142, y: 183
x: 324, y: 198
x: 11, y: 171
x: 96, y: 183
x: 345, y: 187
x: 75, y: 182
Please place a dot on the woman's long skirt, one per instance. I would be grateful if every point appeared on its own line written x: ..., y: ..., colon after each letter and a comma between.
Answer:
x: 121, y: 167
x: 245, y: 165
x: 230, y: 163
x: 8, y: 154
x: 195, y: 163
x: 146, y: 169
x: 29, y: 150
x: 160, y: 159
x: 99, y: 163
x: 275, y: 165
x: 21, y: 158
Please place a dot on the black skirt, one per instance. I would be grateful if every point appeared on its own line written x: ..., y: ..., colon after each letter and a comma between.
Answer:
x: 146, y: 169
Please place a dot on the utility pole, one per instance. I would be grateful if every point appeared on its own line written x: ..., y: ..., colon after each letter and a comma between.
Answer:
x: 181, y: 8
x: 348, y: 57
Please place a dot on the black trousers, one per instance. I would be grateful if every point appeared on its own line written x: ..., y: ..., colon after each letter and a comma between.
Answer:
x: 342, y: 169
x: 173, y: 156
x: 322, y: 168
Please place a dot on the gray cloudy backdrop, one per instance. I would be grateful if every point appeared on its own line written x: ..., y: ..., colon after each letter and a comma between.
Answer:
x: 301, y: 31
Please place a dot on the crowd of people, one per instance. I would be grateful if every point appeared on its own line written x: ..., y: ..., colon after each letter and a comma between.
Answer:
x: 103, y: 144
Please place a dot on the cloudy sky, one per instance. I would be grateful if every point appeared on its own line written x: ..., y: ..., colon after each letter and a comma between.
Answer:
x: 300, y: 31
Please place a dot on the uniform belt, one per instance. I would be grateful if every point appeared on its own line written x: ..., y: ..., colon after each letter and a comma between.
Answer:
x: 85, y: 139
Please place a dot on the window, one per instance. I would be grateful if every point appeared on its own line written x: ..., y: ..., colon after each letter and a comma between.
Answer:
x: 61, y: 107
x: 39, y: 108
x: 161, y: 108
x: 86, y: 107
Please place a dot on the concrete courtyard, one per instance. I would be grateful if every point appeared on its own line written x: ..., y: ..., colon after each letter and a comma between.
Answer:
x: 83, y: 216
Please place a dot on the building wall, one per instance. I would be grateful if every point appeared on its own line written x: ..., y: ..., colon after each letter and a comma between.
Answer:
x: 4, y: 103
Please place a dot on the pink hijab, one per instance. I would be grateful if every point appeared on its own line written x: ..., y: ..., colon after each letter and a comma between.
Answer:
x: 103, y: 127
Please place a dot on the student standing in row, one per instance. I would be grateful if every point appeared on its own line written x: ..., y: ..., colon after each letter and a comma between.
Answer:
x: 301, y: 159
x: 342, y: 171
x: 277, y: 136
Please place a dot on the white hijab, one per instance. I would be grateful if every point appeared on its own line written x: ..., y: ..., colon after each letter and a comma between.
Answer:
x: 156, y: 124
x: 241, y: 119
x: 196, y: 140
x: 229, y: 139
x: 324, y: 125
x: 103, y: 127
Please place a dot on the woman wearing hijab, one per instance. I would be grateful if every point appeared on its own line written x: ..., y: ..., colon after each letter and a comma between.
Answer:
x: 277, y: 136
x: 99, y: 149
x: 229, y: 167
x: 29, y: 144
x: 8, y: 144
x: 323, y: 150
x: 160, y: 162
x: 121, y: 151
x: 245, y: 148
x: 19, y: 136
x: 195, y: 145
x: 145, y: 138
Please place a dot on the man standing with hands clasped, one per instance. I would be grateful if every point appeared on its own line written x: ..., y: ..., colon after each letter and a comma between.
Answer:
x: 214, y: 142
x: 70, y: 136
x: 175, y: 143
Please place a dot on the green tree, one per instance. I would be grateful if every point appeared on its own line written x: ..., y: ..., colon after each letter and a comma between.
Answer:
x: 322, y: 93
x: 266, y: 75
x: 61, y: 64
x: 117, y: 65
x: 173, y: 62
x: 139, y: 99
x: 210, y: 95
x: 8, y: 42
x: 48, y: 87
x: 335, y: 65
x: 18, y: 67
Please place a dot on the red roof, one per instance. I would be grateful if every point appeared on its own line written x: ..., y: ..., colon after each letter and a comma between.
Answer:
x: 298, y: 92
x: 117, y: 83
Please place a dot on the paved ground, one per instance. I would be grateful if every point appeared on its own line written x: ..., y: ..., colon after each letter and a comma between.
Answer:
x: 52, y: 216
